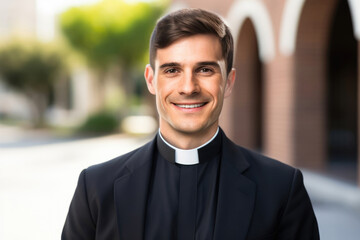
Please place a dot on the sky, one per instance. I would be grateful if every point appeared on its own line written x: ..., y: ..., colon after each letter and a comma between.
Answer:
x: 53, y: 6
x: 47, y: 12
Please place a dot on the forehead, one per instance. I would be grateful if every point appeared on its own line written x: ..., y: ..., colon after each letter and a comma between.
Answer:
x: 192, y: 49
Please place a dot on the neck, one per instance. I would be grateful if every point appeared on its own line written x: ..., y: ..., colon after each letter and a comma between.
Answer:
x: 186, y: 140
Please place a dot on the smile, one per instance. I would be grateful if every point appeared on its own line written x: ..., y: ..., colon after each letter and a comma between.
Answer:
x: 190, y: 105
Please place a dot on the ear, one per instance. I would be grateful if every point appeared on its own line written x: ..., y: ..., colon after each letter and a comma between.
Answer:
x: 149, y: 78
x: 230, y: 82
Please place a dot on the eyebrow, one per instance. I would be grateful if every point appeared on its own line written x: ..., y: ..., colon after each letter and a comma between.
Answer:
x: 214, y: 64
x: 171, y: 64
x: 175, y: 64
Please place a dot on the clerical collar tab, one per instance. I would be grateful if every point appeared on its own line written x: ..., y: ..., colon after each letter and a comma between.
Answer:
x: 189, y: 156
x: 186, y: 157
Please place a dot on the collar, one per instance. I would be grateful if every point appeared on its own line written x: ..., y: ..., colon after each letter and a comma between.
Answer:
x: 190, y: 156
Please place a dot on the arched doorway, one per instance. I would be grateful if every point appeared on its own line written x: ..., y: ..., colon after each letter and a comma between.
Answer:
x: 247, y: 112
x: 310, y: 83
x: 325, y: 91
x: 342, y: 95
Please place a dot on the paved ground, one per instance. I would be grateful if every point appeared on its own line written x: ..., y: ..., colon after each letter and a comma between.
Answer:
x: 337, y: 222
x: 336, y: 205
x: 37, y: 182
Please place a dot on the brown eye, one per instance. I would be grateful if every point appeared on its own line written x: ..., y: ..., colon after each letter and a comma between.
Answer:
x: 171, y: 70
x: 205, y: 70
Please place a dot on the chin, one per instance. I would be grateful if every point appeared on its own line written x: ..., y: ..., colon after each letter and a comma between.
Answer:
x: 190, y: 129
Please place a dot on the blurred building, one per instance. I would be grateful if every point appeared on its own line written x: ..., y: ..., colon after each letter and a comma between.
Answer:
x: 72, y: 99
x: 17, y: 17
x: 296, y: 96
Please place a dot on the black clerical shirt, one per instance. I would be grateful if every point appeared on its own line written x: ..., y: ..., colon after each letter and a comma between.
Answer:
x: 183, y: 198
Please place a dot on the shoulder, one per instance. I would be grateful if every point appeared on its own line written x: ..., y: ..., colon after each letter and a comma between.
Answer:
x: 261, y: 163
x: 281, y: 200
x: 115, y: 168
x: 253, y: 163
x: 274, y: 179
x: 265, y: 171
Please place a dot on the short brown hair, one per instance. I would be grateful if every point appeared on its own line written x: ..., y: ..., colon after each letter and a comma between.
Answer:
x: 189, y: 22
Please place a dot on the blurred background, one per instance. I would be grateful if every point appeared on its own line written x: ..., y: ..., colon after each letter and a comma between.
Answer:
x: 72, y: 94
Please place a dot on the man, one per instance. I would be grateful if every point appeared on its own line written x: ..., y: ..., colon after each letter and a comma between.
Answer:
x: 191, y: 181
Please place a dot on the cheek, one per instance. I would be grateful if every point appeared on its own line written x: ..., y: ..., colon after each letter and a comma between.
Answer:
x: 216, y: 89
x: 162, y: 95
x: 166, y: 88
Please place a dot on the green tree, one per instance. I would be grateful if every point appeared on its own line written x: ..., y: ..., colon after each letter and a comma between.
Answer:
x: 112, y: 33
x: 31, y: 68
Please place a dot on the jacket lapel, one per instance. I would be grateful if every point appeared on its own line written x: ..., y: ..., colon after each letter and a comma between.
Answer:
x: 236, y: 195
x: 131, y: 191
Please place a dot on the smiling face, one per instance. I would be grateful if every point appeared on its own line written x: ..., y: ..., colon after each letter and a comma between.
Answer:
x: 190, y: 83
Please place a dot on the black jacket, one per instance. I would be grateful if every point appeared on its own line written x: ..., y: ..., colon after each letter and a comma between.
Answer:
x: 259, y: 198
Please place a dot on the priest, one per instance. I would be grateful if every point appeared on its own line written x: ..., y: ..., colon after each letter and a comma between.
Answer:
x: 190, y: 181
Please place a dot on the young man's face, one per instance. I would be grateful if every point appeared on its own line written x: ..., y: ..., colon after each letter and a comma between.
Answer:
x: 190, y: 83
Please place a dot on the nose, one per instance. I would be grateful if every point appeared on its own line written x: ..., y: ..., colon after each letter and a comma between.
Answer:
x: 188, y: 85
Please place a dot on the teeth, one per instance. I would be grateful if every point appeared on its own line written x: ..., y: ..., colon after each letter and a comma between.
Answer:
x: 190, y: 105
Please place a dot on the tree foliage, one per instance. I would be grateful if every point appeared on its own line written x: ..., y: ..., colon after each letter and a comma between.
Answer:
x: 31, y: 67
x: 111, y: 30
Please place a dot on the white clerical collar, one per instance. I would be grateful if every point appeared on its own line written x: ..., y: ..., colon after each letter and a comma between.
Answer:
x: 187, y: 156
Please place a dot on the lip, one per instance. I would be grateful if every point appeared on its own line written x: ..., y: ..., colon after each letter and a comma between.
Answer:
x: 190, y: 107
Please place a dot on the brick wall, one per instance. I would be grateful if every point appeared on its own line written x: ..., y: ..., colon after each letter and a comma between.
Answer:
x: 310, y: 78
